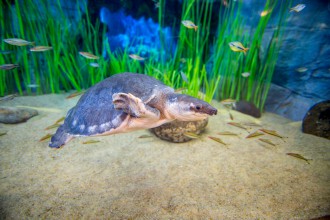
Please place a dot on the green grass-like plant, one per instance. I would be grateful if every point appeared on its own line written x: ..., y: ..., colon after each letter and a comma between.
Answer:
x: 64, y: 69
x: 230, y: 65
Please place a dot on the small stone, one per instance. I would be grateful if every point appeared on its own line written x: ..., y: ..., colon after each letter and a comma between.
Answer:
x: 247, y: 108
x: 174, y: 131
x: 317, y: 120
x: 12, y: 115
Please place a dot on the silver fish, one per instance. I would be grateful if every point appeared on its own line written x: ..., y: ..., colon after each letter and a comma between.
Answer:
x: 8, y: 66
x: 184, y: 77
x: 40, y: 48
x: 89, y: 55
x: 96, y: 65
x: 17, y: 42
x: 136, y: 57
x: 298, y: 8
x: 7, y: 98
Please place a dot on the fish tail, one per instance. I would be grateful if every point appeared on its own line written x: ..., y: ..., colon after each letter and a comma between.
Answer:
x: 245, y: 49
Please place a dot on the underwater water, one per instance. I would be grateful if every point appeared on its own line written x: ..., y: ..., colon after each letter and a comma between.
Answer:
x: 226, y: 117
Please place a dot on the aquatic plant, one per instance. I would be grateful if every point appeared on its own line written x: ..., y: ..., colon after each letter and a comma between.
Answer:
x: 64, y: 69
x: 191, y: 52
x: 260, y: 64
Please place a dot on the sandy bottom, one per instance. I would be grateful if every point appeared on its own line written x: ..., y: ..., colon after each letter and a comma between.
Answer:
x: 127, y: 177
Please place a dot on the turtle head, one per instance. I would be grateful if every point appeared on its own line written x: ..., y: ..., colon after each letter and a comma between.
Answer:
x: 186, y: 108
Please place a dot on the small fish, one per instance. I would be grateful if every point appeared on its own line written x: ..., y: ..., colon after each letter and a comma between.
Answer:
x: 3, y: 133
x: 299, y: 157
x: 226, y: 133
x: 237, y: 47
x: 267, y: 141
x: 90, y: 142
x: 17, y: 42
x: 298, y: 8
x: 246, y: 74
x: 96, y: 65
x: 183, y: 60
x: 158, y: 71
x: 74, y: 94
x: 225, y: 3
x: 228, y: 101
x: 157, y: 4
x: 217, y: 140
x: 136, y: 57
x: 237, y: 125
x: 33, y: 86
x: 264, y: 13
x: 254, y: 134
x: 89, y: 55
x: 59, y: 120
x: 271, y: 132
x: 52, y: 126
x: 6, y: 52
x: 251, y: 124
x: 189, y: 24
x: 191, y: 135
x: 8, y: 66
x: 8, y: 97
x: 145, y: 136
x: 301, y: 69
x: 184, y: 77
x: 180, y: 90
x: 47, y: 136
x: 56, y: 124
x: 231, y: 116
x: 40, y: 48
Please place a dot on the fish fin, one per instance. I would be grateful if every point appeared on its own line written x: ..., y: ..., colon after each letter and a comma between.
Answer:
x: 195, y: 28
x: 245, y: 49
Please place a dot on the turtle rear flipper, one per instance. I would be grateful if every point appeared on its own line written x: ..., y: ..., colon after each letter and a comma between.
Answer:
x: 60, y: 138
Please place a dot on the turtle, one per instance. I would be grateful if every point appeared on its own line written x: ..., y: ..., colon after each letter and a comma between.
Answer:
x: 127, y: 102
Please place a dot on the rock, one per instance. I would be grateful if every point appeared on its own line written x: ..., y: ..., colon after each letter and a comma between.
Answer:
x: 174, y: 131
x: 12, y: 115
x: 317, y: 120
x: 247, y: 108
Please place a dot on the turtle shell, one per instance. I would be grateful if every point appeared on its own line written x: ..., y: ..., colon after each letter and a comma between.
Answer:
x: 95, y: 112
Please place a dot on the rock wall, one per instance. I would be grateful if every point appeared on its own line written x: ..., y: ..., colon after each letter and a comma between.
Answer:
x: 302, y: 74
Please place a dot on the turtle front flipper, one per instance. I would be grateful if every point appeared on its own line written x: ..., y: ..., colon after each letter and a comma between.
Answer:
x: 134, y: 106
x: 60, y: 138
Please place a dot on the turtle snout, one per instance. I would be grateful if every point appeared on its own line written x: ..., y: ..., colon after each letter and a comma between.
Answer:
x: 213, y: 111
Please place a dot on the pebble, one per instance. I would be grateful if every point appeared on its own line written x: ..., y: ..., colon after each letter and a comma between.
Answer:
x: 317, y: 120
x: 12, y: 115
x: 247, y: 108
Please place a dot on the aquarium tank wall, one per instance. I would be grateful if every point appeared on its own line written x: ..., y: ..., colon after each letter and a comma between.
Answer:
x: 165, y: 109
x: 284, y: 68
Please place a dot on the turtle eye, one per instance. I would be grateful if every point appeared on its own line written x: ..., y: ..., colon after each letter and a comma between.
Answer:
x: 198, y: 107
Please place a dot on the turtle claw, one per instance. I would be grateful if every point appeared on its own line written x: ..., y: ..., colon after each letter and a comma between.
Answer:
x: 128, y: 103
